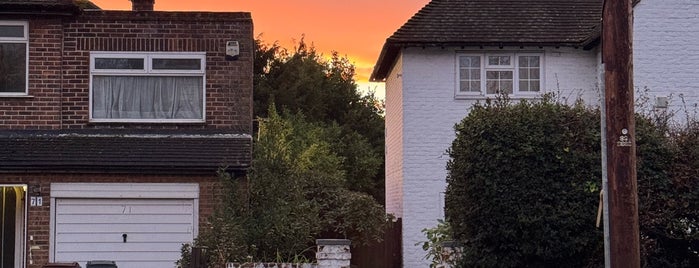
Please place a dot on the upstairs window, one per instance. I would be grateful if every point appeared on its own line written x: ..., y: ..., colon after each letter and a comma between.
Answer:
x: 14, y: 42
x: 147, y: 87
x: 486, y: 74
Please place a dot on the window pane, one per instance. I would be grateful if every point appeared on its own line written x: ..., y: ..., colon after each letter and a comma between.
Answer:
x: 528, y: 61
x: 534, y: 86
x: 119, y: 63
x: 505, y: 75
x: 470, y: 86
x: 12, y: 31
x: 470, y: 74
x: 505, y: 87
x: 499, y: 82
x: 491, y: 75
x: 523, y: 74
x: 470, y: 61
x: 176, y: 64
x: 464, y: 74
x: 465, y: 86
x: 523, y: 61
x: 476, y: 86
x: 534, y: 73
x: 499, y: 60
x: 147, y: 97
x: 492, y: 87
x: 476, y: 74
x: 13, y: 67
x: 523, y: 85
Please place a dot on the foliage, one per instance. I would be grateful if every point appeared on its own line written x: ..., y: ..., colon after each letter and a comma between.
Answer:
x: 324, y: 91
x: 295, y: 192
x: 185, y: 256
x: 668, y: 163
x: 435, y: 238
x: 523, y: 185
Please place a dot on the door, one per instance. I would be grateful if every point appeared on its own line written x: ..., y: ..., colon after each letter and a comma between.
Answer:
x: 133, y: 232
x: 12, y: 219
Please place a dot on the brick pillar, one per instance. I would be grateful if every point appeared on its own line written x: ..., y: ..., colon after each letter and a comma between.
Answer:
x: 333, y: 253
x: 142, y: 5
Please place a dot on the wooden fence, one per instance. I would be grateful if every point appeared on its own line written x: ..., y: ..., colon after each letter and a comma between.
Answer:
x: 384, y: 254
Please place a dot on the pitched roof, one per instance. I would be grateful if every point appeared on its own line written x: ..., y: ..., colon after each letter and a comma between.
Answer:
x: 123, y: 151
x: 494, y: 23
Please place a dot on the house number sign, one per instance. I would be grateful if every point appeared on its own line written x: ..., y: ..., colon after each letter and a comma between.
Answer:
x: 624, y: 140
x: 36, y: 201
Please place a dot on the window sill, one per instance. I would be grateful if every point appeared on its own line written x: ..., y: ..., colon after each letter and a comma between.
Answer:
x: 484, y: 97
x: 16, y: 96
x: 101, y: 121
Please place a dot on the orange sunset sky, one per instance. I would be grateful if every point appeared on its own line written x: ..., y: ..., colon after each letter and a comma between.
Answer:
x: 355, y: 28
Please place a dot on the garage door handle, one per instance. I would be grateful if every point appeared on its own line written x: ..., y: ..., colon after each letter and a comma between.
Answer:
x: 124, y: 236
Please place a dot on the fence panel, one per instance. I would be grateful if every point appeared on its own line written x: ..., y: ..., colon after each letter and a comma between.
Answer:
x: 384, y: 254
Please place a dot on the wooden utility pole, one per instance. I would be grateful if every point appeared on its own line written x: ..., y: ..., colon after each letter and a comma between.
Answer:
x: 622, y: 195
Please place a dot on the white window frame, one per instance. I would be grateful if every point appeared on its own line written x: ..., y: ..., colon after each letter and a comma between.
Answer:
x: 485, y: 67
x: 20, y: 40
x: 541, y: 74
x: 148, y: 71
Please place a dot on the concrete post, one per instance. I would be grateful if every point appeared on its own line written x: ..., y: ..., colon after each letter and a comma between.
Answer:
x: 333, y: 253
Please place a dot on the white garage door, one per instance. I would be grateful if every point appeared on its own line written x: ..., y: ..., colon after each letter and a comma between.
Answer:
x: 134, y: 232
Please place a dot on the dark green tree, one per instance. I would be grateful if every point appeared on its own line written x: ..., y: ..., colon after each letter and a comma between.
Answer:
x: 324, y: 91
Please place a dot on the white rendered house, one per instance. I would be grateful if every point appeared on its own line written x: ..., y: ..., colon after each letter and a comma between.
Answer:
x: 452, y: 54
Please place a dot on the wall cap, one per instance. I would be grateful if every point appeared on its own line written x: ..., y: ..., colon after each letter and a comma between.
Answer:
x: 333, y: 242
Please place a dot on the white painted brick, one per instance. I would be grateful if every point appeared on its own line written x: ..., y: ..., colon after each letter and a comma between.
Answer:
x: 666, y: 54
x: 429, y: 112
x: 421, y: 110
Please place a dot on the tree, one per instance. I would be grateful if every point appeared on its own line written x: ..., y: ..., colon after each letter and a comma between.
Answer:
x: 325, y: 92
x: 295, y: 192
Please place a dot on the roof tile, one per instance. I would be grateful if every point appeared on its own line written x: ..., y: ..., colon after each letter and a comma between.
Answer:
x: 494, y: 22
x: 123, y: 151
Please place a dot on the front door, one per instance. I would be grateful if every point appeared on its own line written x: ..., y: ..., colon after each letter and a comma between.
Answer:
x: 12, y: 219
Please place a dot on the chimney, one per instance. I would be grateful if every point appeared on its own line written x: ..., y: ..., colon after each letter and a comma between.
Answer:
x: 142, y: 5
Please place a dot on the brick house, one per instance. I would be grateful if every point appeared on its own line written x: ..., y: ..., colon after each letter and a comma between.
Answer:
x: 451, y: 54
x: 113, y: 125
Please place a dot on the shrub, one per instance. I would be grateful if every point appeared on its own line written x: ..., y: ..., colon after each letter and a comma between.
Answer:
x: 668, y: 189
x: 523, y: 185
x: 295, y: 193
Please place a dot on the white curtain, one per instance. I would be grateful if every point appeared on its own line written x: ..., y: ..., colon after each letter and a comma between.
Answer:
x: 147, y: 97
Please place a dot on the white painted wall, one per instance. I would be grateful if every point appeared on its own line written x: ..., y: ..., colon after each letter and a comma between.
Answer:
x: 394, y: 141
x: 666, y: 61
x: 429, y: 111
x: 666, y: 52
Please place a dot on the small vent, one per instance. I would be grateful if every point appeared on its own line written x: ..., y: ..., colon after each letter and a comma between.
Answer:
x: 661, y: 102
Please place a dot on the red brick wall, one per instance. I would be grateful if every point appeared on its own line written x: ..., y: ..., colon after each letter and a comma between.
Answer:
x: 42, y: 111
x: 38, y: 218
x: 60, y: 99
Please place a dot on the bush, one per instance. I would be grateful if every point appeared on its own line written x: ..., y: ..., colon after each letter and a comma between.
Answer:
x: 523, y: 185
x: 524, y: 178
x: 668, y: 189
x: 295, y: 193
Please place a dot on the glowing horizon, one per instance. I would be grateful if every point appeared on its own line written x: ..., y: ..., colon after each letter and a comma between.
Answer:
x: 355, y: 29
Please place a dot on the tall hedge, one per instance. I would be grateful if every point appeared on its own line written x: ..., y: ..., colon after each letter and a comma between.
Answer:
x: 524, y: 179
x: 523, y: 185
x: 668, y: 190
